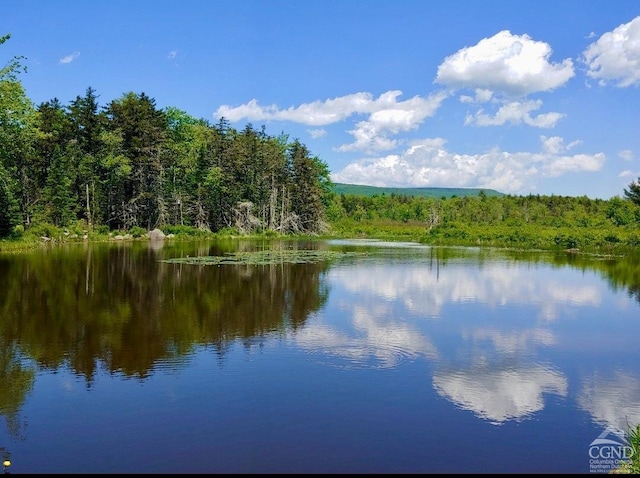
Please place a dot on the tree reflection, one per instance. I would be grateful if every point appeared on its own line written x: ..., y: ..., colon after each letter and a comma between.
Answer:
x: 120, y: 307
x: 16, y: 382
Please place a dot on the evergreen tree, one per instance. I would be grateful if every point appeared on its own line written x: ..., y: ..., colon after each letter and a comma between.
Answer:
x: 9, y: 209
x: 143, y: 129
x: 633, y: 192
x: 88, y: 124
x: 58, y: 192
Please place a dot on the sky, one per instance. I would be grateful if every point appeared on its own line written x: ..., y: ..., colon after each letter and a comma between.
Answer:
x: 523, y: 97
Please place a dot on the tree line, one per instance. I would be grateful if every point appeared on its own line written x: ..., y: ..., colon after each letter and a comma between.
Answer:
x: 129, y: 163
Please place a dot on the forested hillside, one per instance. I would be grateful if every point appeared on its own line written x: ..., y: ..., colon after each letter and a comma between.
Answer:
x: 128, y: 165
x: 362, y: 190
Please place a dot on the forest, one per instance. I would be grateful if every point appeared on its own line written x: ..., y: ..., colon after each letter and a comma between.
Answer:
x: 85, y: 169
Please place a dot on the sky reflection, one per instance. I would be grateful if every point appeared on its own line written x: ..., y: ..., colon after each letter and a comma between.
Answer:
x: 497, y: 334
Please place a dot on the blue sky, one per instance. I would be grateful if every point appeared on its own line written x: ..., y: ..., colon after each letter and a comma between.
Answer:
x: 525, y: 97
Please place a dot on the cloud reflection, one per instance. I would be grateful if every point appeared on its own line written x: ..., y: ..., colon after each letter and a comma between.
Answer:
x: 424, y: 290
x: 511, y: 343
x: 499, y: 395
x: 613, y: 401
x: 374, y: 340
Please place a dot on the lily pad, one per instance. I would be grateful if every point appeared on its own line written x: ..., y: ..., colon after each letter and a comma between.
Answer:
x: 265, y: 257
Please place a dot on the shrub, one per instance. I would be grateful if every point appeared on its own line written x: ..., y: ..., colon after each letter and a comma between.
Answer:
x: 137, y: 231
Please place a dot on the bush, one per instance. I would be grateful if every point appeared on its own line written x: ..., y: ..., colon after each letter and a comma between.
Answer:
x: 44, y: 229
x: 17, y: 232
x: 137, y: 231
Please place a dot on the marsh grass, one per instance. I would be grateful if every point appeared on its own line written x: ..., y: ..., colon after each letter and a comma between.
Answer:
x: 634, y: 443
x: 632, y: 466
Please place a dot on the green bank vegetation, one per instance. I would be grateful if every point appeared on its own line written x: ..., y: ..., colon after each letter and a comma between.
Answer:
x: 85, y: 171
x: 523, y: 222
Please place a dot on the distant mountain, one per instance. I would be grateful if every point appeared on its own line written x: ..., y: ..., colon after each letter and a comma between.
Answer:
x: 360, y: 190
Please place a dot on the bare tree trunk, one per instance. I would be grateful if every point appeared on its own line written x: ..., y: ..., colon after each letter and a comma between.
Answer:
x: 89, y: 220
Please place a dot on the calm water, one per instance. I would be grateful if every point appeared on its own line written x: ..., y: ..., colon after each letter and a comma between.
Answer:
x: 395, y: 358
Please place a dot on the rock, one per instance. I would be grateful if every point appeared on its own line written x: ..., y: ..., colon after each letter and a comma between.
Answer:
x: 156, y: 235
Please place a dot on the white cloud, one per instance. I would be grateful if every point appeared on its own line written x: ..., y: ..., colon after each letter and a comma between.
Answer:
x: 320, y: 113
x: 482, y: 96
x: 626, y: 154
x: 557, y: 166
x: 516, y: 112
x: 555, y: 144
x: 511, y: 65
x: 69, y: 58
x: 172, y: 54
x: 391, y: 119
x: 615, y: 56
x: 317, y: 133
x: 316, y: 113
x: 387, y: 115
x: 427, y: 163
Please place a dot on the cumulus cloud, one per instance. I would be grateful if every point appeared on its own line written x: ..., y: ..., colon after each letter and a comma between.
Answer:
x: 69, y: 58
x: 555, y: 144
x: 615, y: 56
x: 317, y: 133
x: 482, y: 96
x: 316, y: 113
x: 626, y: 154
x: 426, y: 163
x: 516, y: 112
x: 387, y: 115
x: 507, y: 64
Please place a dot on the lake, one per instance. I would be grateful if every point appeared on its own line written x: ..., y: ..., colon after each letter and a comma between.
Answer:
x: 316, y: 356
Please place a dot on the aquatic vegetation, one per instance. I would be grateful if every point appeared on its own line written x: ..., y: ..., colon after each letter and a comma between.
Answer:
x: 266, y: 257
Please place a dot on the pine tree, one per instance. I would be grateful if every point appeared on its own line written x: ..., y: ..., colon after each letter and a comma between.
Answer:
x: 58, y: 192
x: 633, y: 193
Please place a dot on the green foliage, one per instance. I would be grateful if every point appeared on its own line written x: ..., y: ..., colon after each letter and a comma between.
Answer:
x: 44, y: 229
x: 634, y: 442
x: 58, y: 190
x: 621, y: 212
x: 185, y: 231
x: 13, y: 66
x: 101, y: 230
x: 18, y: 231
x: 137, y: 231
x: 633, y: 192
x: 9, y: 212
x: 361, y: 190
x: 130, y: 166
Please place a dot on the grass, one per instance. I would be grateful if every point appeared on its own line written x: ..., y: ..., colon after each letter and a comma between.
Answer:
x: 634, y: 443
x: 631, y: 467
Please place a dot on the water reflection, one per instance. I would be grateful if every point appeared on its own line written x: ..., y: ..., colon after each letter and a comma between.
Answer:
x: 424, y: 291
x: 374, y: 340
x: 497, y: 335
x: 504, y: 316
x: 499, y: 392
x: 612, y: 400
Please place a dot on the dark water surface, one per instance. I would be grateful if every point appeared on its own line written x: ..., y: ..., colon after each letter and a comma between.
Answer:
x: 396, y: 358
